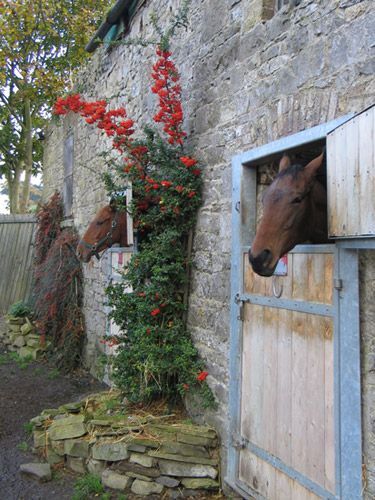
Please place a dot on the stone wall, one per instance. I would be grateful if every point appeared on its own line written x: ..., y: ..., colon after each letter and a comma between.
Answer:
x: 247, y: 80
x: 140, y: 454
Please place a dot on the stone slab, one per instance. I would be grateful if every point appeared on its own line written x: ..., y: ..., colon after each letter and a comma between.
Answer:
x: 40, y: 439
x: 183, y: 458
x: 203, y: 483
x: 170, y: 482
x: 188, y: 450
x: 76, y: 448
x: 139, y: 458
x: 27, y: 328
x: 196, y: 439
x: 68, y: 427
x: 114, y: 480
x: 26, y: 351
x: 137, y: 469
x: 183, y: 469
x: 96, y: 466
x: 112, y: 452
x: 52, y: 457
x: 19, y: 341
x: 76, y: 464
x: 145, y: 488
x: 39, y: 471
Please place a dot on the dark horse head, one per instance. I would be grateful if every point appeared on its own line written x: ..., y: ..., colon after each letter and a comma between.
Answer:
x: 294, y: 212
x: 108, y: 227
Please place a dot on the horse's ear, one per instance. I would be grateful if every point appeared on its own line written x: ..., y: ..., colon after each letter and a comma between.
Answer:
x: 284, y: 163
x: 113, y: 204
x: 314, y: 165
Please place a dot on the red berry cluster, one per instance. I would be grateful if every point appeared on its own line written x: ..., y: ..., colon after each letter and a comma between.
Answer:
x: 96, y: 112
x: 166, y: 86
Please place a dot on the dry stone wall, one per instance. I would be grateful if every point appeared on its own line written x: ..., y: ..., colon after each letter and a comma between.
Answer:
x: 131, y: 453
x: 248, y: 78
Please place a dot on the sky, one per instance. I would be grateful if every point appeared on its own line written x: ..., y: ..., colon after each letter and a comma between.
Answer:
x: 4, y: 199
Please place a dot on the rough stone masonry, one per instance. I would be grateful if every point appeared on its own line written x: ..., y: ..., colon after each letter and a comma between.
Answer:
x: 249, y: 76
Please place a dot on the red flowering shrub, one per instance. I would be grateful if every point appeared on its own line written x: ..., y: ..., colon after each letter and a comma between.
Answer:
x: 156, y: 356
x: 57, y: 286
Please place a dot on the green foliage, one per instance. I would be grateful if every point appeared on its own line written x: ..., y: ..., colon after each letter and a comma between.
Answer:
x: 23, y: 362
x: 156, y: 356
x: 53, y: 374
x: 23, y: 446
x: 88, y: 485
x: 39, y: 50
x: 28, y: 427
x: 20, y: 309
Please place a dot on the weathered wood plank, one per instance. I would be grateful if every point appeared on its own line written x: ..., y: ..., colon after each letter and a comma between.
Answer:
x: 315, y: 396
x: 350, y: 179
x: 270, y: 358
x: 16, y: 256
x: 298, y: 394
x: 329, y: 427
x: 252, y: 363
x: 284, y: 387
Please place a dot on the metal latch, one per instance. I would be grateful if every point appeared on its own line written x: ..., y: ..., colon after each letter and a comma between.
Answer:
x: 241, y: 313
x: 337, y: 283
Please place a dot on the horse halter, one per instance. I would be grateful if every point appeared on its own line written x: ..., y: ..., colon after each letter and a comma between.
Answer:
x: 94, y: 248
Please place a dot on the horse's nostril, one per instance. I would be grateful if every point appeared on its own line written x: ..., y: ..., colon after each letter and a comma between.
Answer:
x: 266, y: 256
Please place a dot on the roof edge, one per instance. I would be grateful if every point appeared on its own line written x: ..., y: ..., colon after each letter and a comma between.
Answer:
x: 112, y: 17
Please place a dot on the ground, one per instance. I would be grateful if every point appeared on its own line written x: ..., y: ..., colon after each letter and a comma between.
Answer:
x: 24, y: 392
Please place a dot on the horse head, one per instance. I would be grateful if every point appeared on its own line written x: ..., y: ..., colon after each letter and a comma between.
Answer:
x: 294, y: 211
x: 109, y: 226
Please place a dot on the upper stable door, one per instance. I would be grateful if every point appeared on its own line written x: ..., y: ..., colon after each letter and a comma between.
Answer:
x: 294, y: 368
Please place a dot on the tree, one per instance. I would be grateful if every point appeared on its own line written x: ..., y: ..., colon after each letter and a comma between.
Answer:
x: 41, y: 44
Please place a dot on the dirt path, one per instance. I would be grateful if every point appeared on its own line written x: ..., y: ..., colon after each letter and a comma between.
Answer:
x: 24, y: 393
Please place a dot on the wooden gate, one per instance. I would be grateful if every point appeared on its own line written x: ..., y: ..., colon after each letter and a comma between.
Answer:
x: 295, y: 396
x: 16, y: 258
x: 287, y: 417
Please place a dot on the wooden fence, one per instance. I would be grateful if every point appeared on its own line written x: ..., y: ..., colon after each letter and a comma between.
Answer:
x: 16, y: 257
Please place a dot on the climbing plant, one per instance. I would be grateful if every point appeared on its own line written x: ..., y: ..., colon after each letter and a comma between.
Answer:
x: 156, y: 356
x: 57, y: 286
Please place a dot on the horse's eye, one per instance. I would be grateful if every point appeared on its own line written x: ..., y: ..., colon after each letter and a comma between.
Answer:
x: 99, y: 222
x: 298, y: 199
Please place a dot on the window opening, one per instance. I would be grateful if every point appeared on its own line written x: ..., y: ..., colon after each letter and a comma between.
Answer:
x: 68, y: 175
x: 267, y: 169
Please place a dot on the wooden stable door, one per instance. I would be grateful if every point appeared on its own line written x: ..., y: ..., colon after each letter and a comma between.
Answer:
x: 287, y: 423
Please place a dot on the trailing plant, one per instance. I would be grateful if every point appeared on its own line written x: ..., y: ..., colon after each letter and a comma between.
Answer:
x: 57, y: 286
x: 155, y: 356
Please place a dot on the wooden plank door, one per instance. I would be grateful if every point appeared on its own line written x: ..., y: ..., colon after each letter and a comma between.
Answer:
x: 287, y: 420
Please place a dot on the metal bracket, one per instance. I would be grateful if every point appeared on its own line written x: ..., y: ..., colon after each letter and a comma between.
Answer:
x: 338, y: 284
x: 238, y: 441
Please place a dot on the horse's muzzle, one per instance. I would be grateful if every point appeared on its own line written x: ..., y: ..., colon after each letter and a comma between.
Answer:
x: 261, y: 263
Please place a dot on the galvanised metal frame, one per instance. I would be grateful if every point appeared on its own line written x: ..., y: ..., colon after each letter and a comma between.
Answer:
x: 345, y: 314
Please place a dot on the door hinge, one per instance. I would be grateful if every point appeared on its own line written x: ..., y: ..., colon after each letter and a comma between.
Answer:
x: 337, y: 283
x: 238, y: 441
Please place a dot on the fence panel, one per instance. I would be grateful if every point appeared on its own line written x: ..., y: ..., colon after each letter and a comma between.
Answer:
x: 16, y: 257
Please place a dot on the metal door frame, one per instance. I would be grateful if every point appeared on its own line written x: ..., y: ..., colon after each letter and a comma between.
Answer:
x: 345, y: 312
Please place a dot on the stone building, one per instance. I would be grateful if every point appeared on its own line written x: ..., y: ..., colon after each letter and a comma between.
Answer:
x: 252, y: 72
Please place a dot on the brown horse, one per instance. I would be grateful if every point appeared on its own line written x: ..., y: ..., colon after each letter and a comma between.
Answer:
x: 295, y: 211
x: 108, y: 227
